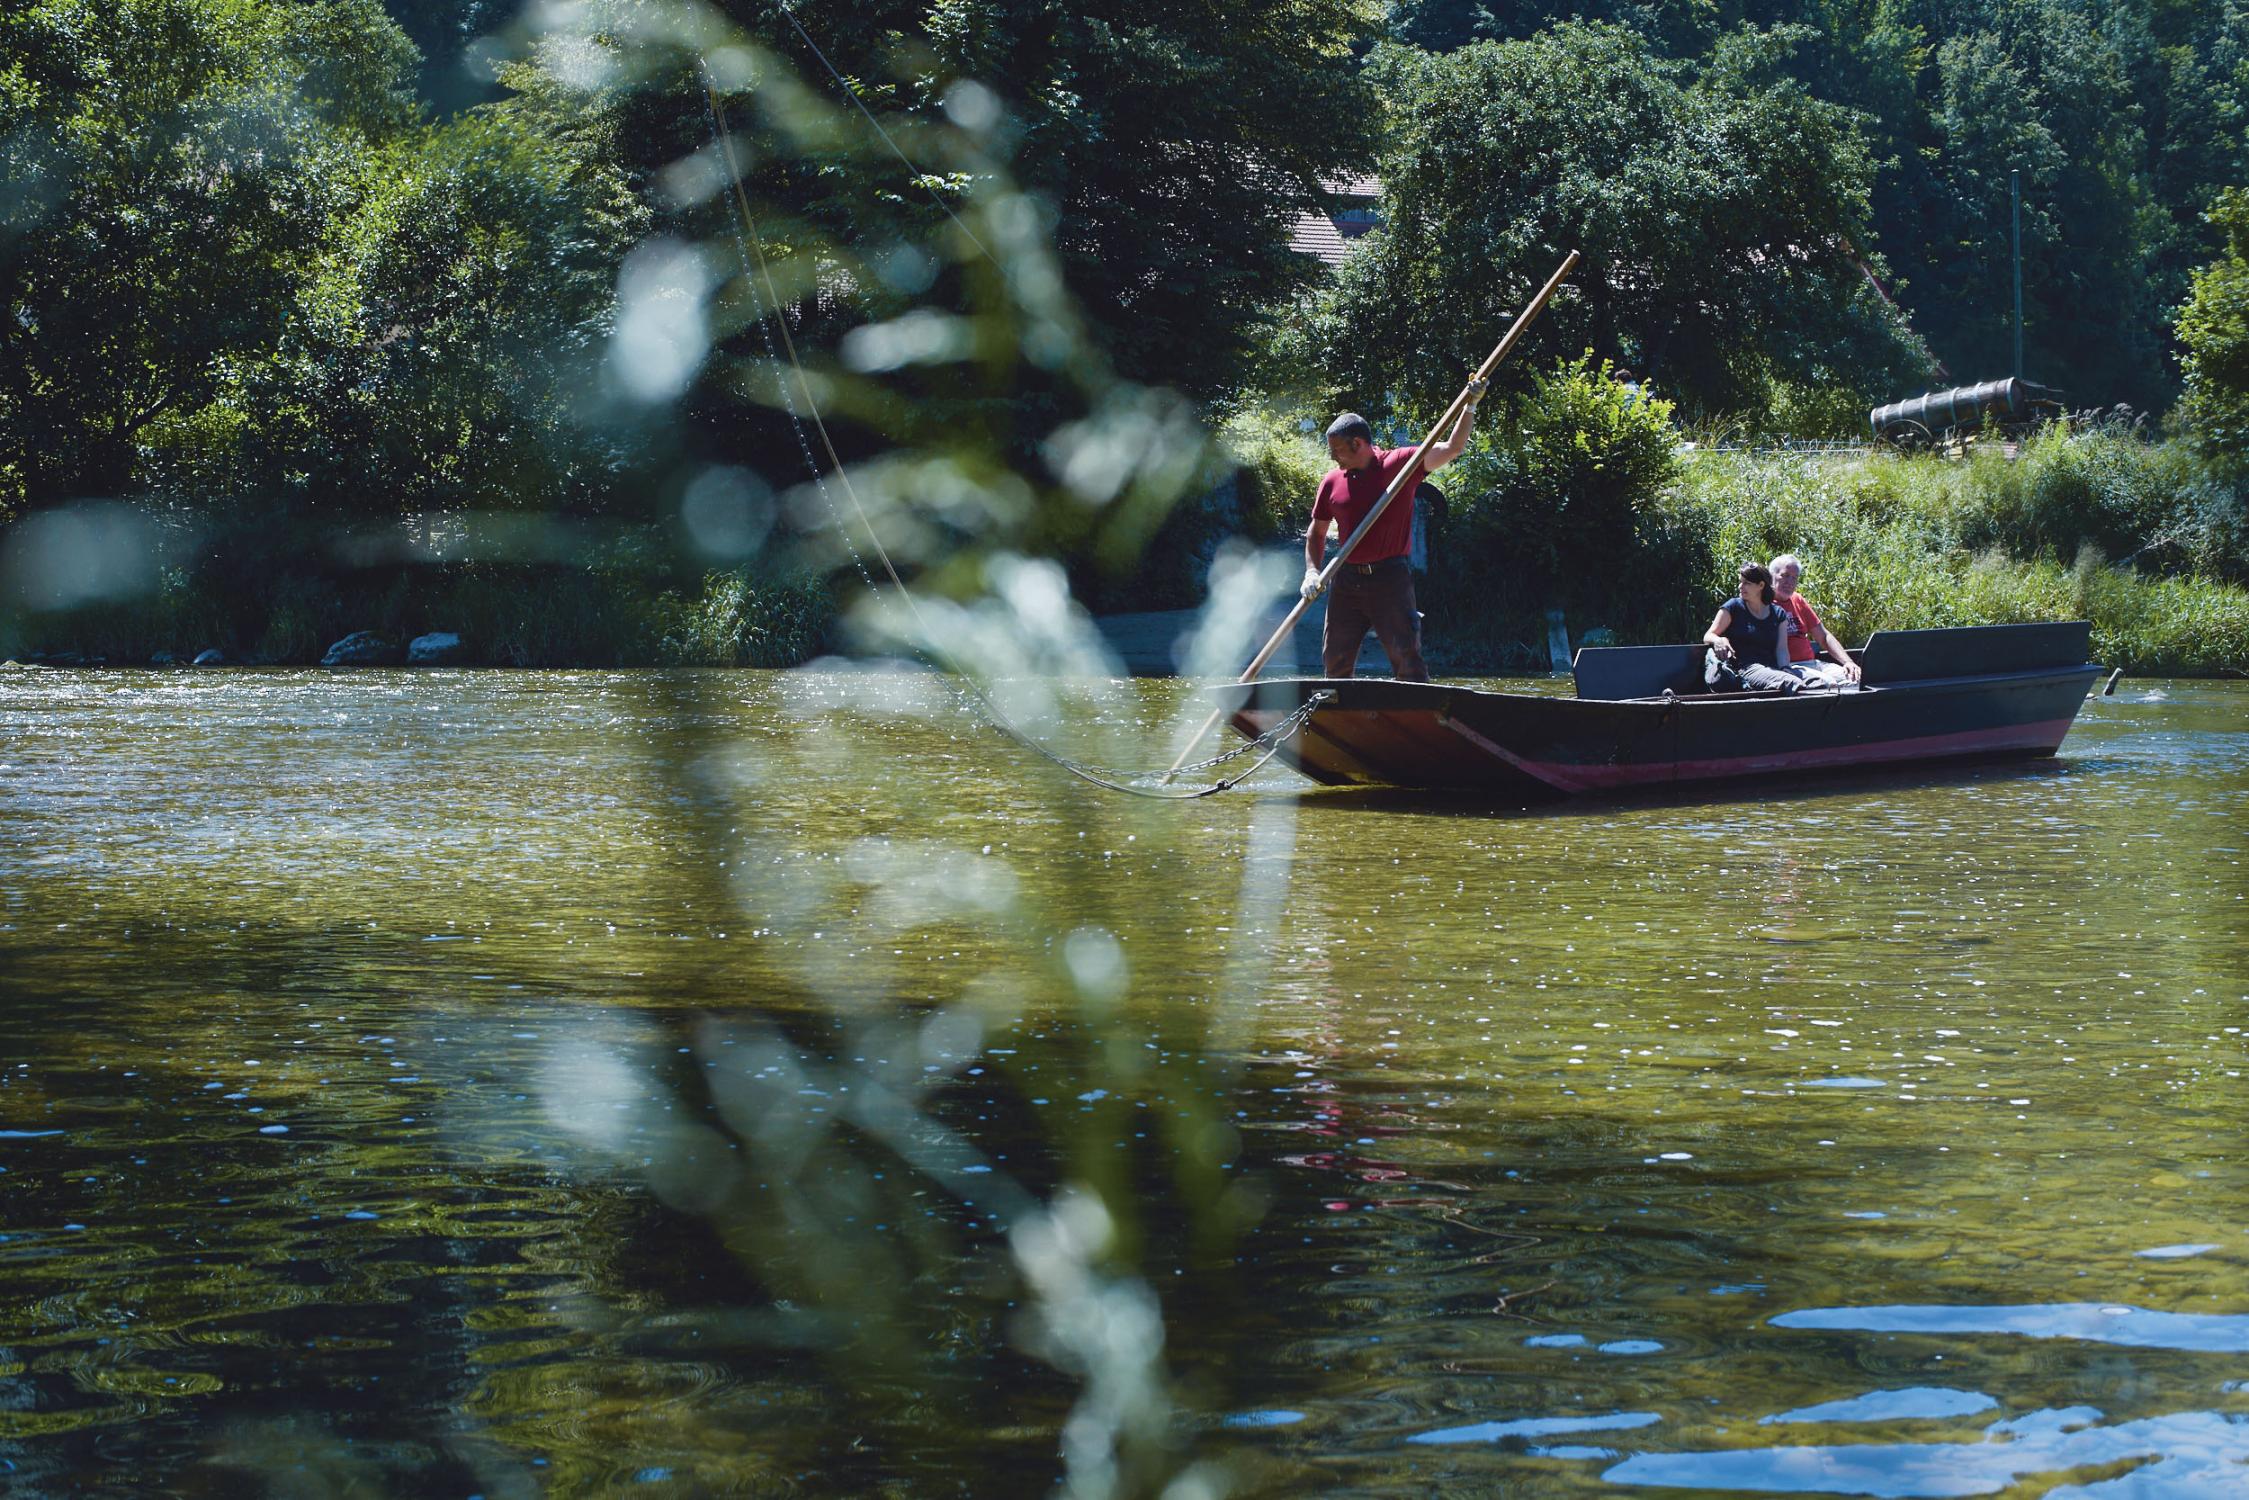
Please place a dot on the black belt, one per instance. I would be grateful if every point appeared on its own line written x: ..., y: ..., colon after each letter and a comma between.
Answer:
x: 1376, y: 567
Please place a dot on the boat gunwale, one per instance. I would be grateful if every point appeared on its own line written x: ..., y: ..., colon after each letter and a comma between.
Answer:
x: 2090, y: 670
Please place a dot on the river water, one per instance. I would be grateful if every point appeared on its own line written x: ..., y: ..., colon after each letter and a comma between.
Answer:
x: 513, y: 1084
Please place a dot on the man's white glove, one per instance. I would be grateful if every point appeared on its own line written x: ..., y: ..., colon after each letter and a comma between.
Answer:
x: 1476, y: 389
x: 1311, y: 588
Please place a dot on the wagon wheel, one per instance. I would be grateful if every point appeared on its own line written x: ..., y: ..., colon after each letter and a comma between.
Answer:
x: 1909, y: 436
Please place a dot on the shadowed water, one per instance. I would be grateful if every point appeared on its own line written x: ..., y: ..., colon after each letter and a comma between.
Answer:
x: 511, y: 1084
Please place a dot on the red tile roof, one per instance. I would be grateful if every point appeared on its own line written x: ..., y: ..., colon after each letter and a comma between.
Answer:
x: 1316, y: 234
x: 1329, y: 236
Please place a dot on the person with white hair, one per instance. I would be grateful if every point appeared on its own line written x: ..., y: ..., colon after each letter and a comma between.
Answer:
x: 1808, y: 634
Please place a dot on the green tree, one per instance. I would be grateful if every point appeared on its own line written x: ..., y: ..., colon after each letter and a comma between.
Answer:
x: 447, y: 331
x: 1174, y: 145
x: 2214, y: 328
x: 1680, y: 28
x: 1717, y: 208
x: 170, y: 166
x: 457, y: 51
x: 2043, y: 92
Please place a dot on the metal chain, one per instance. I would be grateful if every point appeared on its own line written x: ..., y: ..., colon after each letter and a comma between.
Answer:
x: 1156, y: 784
x: 1280, y: 733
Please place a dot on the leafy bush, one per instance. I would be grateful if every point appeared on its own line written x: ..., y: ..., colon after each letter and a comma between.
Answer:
x: 1553, y: 498
x: 2103, y: 488
x: 2214, y: 327
x: 1802, y: 410
x: 733, y: 620
x: 1281, y: 465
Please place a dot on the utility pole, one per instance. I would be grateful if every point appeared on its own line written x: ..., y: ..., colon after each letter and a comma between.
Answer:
x: 2015, y: 196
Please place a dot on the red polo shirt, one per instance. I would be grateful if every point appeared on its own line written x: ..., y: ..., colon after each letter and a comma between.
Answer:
x: 1345, y: 498
x: 1803, y: 641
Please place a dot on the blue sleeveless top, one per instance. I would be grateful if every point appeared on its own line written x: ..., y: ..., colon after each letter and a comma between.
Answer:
x: 1756, y: 642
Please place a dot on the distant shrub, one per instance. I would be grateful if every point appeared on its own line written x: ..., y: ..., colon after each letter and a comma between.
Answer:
x: 2104, y: 488
x: 1814, y: 411
x: 300, y: 621
x: 1281, y: 465
x: 2214, y: 328
x: 733, y: 620
x: 1559, y: 494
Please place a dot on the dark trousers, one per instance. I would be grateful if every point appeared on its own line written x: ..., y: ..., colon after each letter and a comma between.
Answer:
x: 1750, y: 677
x: 1381, y: 600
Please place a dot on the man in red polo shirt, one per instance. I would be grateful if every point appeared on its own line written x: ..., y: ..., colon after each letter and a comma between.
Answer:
x: 1374, y: 586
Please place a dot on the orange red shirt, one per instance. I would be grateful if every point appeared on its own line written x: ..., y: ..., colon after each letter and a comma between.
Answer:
x: 1803, y: 641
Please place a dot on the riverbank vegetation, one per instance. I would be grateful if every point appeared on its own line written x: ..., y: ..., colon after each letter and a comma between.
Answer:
x: 347, y: 315
x: 626, y: 600
x: 1585, y: 500
x: 2142, y: 539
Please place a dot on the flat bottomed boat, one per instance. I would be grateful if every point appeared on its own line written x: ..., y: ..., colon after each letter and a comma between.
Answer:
x: 1642, y: 717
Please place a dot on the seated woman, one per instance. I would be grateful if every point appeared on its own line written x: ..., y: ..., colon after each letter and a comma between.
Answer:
x: 1748, y: 639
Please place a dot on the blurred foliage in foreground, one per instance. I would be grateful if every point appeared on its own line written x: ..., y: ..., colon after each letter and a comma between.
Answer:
x: 326, y: 293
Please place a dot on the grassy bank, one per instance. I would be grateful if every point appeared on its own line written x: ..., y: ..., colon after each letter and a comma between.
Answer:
x: 2143, y: 539
x: 1580, y: 501
x: 1579, y: 505
x: 628, y: 601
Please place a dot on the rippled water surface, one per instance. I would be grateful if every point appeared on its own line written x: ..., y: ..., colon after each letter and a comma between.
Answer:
x: 563, y: 1083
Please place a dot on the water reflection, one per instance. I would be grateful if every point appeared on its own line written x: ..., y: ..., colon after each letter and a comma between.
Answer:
x: 1918, y: 1402
x: 1534, y: 1427
x: 2189, y: 1455
x: 2100, y: 1323
x: 601, y: 1161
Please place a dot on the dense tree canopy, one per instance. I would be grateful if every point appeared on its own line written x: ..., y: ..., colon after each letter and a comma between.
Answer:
x: 2124, y: 117
x: 1717, y: 208
x: 1173, y: 146
x: 239, y: 263
x: 368, y: 257
x: 169, y: 167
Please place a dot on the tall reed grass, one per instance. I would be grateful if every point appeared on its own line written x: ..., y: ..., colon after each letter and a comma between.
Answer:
x: 2140, y: 538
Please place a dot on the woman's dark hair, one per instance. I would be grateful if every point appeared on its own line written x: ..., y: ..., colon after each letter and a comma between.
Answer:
x: 1757, y: 573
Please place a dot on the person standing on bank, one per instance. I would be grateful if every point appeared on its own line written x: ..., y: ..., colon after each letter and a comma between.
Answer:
x: 1373, y: 588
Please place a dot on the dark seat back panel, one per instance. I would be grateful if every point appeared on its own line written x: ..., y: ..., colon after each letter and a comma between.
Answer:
x: 1608, y: 673
x: 1973, y: 651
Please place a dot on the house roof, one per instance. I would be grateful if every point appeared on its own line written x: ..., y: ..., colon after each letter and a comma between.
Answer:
x: 1328, y: 236
x: 1316, y: 234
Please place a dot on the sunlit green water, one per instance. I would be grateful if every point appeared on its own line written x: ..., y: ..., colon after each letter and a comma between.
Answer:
x: 509, y: 1084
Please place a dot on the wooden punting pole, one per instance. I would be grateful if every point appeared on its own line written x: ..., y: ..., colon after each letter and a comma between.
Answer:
x: 1397, y: 487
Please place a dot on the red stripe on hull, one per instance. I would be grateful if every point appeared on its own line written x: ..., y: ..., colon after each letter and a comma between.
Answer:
x: 1563, y: 778
x: 2039, y: 739
x: 2043, y: 738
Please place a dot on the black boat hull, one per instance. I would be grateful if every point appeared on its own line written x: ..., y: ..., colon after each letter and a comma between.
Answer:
x: 1378, y: 732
